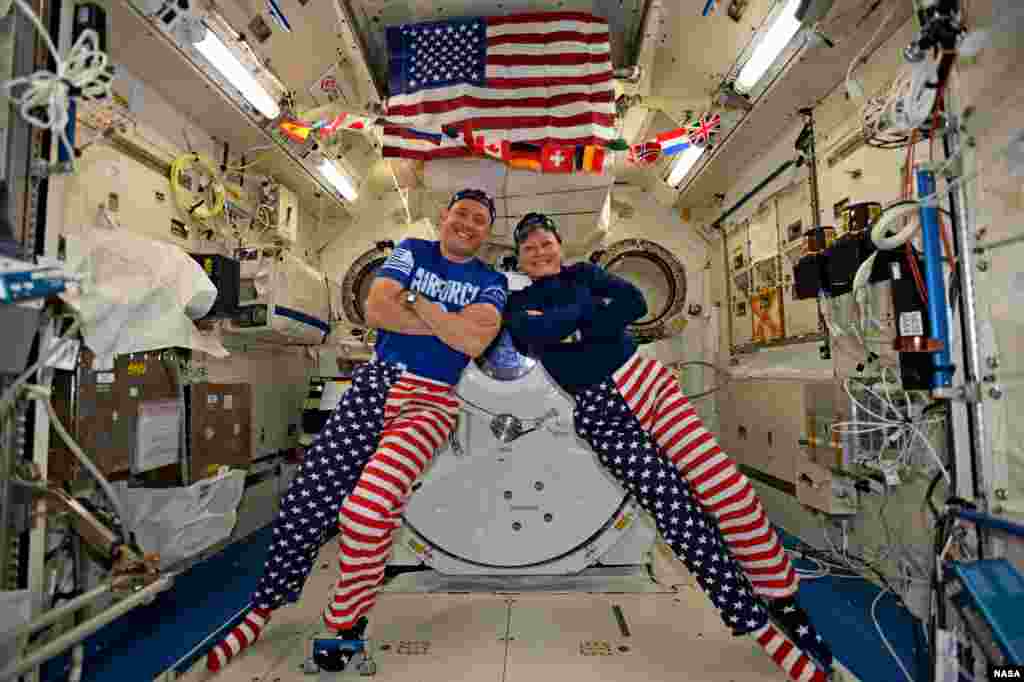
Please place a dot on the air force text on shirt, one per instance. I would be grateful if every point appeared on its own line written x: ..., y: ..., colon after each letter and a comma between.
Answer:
x: 444, y: 291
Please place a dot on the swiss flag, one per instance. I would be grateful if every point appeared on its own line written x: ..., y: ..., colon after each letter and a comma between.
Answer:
x: 557, y: 159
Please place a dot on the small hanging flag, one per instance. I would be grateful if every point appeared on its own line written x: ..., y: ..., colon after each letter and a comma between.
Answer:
x: 706, y: 128
x: 498, y: 149
x: 278, y: 15
x: 645, y: 153
x: 558, y: 159
x: 594, y: 159
x: 525, y: 157
x: 673, y: 141
x: 346, y: 122
x: 412, y: 133
x: 297, y: 131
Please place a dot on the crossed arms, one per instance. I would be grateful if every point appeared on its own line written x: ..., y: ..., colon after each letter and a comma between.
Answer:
x: 605, y: 305
x: 470, y: 331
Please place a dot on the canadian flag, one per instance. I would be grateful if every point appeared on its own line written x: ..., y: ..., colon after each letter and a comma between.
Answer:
x: 498, y: 149
x: 557, y: 159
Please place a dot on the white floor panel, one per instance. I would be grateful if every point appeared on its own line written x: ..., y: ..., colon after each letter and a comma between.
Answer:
x: 526, y: 637
x: 676, y: 638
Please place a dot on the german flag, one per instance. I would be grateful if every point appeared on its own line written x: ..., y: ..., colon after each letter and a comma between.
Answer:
x: 525, y: 157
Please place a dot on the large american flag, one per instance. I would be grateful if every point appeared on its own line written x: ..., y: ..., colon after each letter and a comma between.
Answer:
x: 537, y: 78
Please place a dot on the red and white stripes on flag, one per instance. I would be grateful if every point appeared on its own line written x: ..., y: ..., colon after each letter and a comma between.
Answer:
x: 538, y: 78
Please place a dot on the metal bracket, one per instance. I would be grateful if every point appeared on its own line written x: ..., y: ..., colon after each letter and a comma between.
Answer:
x: 970, y: 393
x: 42, y: 169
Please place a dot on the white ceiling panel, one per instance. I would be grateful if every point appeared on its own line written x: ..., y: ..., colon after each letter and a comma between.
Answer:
x: 528, y: 183
x: 558, y: 203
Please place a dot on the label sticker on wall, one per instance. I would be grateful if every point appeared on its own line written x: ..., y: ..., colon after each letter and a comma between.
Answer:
x: 912, y: 324
x: 229, y: 401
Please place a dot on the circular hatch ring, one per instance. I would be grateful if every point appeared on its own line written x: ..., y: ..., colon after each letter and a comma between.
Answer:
x: 356, y: 283
x: 656, y: 325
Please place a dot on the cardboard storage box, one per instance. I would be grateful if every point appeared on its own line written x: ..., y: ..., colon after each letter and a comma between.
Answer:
x: 220, y: 428
x: 109, y: 401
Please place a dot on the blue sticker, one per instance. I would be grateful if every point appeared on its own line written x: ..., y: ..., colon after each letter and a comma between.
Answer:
x: 275, y: 11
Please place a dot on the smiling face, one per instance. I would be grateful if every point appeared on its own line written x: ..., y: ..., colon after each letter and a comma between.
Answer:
x: 540, y: 254
x: 464, y: 227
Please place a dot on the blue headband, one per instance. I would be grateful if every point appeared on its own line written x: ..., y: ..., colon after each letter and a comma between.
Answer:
x: 476, y: 195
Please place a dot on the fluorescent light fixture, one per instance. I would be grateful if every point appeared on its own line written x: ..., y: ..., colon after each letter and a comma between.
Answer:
x: 235, y: 72
x: 779, y: 34
x: 684, y: 163
x: 330, y: 171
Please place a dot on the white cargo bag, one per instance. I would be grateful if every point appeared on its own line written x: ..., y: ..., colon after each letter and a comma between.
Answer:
x: 182, y: 522
x: 14, y: 613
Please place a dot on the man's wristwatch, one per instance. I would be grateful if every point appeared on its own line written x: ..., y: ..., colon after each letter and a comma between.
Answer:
x: 410, y: 298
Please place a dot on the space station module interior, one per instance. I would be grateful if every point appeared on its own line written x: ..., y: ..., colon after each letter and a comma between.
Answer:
x: 807, y: 464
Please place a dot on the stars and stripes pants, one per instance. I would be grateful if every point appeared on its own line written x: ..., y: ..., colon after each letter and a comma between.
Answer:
x: 661, y: 413
x: 691, y: 510
x: 626, y: 451
x: 358, y: 473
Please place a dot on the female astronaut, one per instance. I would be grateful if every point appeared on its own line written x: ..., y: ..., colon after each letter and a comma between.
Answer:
x: 630, y: 410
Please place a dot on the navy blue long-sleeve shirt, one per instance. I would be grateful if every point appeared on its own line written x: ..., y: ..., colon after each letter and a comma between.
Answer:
x: 583, y: 298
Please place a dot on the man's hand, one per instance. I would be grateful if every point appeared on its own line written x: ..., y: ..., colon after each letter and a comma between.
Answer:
x: 470, y: 331
x: 535, y: 313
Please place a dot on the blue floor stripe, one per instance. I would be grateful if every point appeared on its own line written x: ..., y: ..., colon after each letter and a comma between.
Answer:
x: 151, y: 639
x: 840, y: 609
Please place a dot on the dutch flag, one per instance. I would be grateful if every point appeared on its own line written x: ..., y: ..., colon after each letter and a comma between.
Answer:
x: 673, y: 141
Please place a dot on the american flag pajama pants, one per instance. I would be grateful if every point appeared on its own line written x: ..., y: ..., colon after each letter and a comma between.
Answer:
x: 358, y: 473
x: 661, y: 410
x: 646, y: 434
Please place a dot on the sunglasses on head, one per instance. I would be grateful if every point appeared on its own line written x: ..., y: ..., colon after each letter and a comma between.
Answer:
x: 532, y: 222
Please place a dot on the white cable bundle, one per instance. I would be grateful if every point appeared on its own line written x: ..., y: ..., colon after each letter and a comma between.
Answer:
x: 913, y: 96
x: 43, y: 98
x: 889, y: 118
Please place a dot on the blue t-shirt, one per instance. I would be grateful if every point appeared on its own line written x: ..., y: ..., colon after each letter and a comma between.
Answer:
x: 417, y: 264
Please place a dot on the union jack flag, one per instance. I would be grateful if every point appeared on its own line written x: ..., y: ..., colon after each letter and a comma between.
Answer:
x: 707, y: 126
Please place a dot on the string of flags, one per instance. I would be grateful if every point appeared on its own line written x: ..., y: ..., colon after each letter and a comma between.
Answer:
x: 672, y: 142
x: 548, y: 158
x: 299, y: 131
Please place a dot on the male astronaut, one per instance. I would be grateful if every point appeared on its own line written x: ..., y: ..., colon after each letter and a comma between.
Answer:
x: 436, y: 306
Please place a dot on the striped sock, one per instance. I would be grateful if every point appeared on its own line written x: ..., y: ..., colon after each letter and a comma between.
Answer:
x: 797, y: 665
x: 244, y: 634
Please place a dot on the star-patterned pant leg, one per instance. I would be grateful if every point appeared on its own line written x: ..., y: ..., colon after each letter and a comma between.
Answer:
x: 653, y: 395
x: 605, y: 421
x: 419, y: 416
x: 328, y: 473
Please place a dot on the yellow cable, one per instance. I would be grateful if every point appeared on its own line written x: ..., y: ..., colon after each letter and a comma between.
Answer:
x: 201, y: 212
